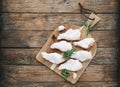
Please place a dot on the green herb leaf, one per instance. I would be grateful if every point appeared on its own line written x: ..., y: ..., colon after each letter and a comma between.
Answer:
x: 88, y: 27
x: 65, y: 73
x: 68, y: 53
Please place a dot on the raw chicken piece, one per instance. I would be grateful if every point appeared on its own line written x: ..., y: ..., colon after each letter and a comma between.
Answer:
x: 71, y: 64
x: 74, y: 75
x: 61, y: 28
x: 53, y: 57
x: 85, y: 43
x: 82, y: 55
x: 62, y: 46
x: 70, y: 35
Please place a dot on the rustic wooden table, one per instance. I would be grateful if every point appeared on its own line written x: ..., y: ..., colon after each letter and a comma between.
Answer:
x: 26, y: 25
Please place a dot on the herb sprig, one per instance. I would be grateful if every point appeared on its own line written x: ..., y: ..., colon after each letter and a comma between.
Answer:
x: 67, y: 54
x: 88, y: 28
x: 65, y: 73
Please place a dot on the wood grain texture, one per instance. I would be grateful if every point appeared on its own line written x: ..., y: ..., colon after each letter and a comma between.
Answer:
x: 22, y: 70
x: 38, y: 38
x: 103, y: 6
x: 42, y: 74
x: 62, y: 84
x: 35, y: 21
x: 104, y: 56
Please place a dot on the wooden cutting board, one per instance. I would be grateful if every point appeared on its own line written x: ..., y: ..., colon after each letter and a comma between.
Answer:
x: 52, y: 39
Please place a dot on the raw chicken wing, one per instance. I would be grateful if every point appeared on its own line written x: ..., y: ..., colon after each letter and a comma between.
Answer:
x: 82, y: 55
x: 70, y: 35
x: 62, y: 46
x: 85, y: 43
x: 53, y: 57
x: 71, y: 64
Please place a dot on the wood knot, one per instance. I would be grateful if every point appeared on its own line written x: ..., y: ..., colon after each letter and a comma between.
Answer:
x: 54, y: 37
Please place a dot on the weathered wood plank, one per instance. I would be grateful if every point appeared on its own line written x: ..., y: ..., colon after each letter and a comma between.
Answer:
x: 28, y: 21
x: 62, y: 84
x: 41, y: 73
x: 27, y: 56
x: 106, y: 6
x: 38, y: 38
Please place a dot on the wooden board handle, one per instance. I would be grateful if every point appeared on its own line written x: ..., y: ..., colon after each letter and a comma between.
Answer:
x: 95, y: 21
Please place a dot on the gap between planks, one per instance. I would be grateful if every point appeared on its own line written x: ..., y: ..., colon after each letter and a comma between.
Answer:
x: 56, y: 12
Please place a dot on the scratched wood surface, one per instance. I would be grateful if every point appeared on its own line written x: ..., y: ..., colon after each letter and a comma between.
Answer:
x: 26, y: 25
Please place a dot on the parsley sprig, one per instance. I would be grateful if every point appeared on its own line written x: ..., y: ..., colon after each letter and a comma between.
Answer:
x: 65, y: 73
x: 67, y: 54
x: 88, y: 28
